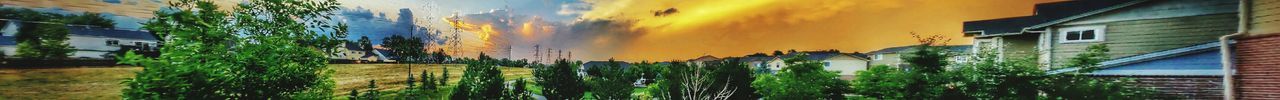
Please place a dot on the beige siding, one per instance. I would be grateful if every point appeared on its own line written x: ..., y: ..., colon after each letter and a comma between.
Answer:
x: 889, y: 59
x: 1020, y: 46
x: 1265, y: 18
x: 1128, y: 38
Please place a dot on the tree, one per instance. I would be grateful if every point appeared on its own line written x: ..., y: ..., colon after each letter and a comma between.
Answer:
x: 1090, y: 60
x: 261, y: 49
x: 612, y: 83
x: 365, y: 43
x: 735, y: 75
x: 517, y: 91
x: 372, y: 93
x: 802, y: 80
x: 881, y: 81
x: 777, y: 53
x: 1075, y: 85
x: 353, y: 95
x: 559, y: 82
x: 428, y: 81
x: 44, y: 41
x: 444, y: 78
x: 408, y: 49
x: 91, y: 19
x: 987, y: 77
x: 480, y: 81
x: 682, y: 81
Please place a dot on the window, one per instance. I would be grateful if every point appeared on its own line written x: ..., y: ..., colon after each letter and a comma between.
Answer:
x: 827, y: 64
x: 1082, y: 34
x: 877, y: 57
x: 113, y: 42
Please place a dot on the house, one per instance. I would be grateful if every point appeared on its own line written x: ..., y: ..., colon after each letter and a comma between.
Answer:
x: 892, y: 56
x: 757, y: 62
x: 353, y: 52
x: 90, y: 43
x: 1161, y: 44
x: 845, y: 64
x: 1256, y: 51
x: 701, y: 61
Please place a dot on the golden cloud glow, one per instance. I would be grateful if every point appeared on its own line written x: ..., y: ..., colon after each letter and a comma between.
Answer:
x: 740, y: 27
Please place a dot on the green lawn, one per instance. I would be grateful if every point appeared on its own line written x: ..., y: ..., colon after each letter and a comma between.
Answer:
x: 103, y: 82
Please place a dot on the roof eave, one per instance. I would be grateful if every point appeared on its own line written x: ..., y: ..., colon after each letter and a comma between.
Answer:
x: 1090, y: 13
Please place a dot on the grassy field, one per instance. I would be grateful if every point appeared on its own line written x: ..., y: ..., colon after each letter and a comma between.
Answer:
x: 103, y: 82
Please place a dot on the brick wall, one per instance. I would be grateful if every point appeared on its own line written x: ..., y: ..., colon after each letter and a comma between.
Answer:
x: 1181, y: 87
x: 1258, y: 68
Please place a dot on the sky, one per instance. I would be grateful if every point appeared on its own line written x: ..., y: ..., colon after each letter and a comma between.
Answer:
x: 629, y: 30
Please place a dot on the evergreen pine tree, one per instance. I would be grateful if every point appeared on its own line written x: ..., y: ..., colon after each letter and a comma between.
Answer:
x: 354, y: 95
x: 372, y: 93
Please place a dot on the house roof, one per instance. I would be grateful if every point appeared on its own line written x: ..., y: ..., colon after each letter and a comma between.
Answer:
x: 1197, y: 60
x: 111, y: 33
x: 705, y: 58
x: 750, y: 59
x: 1044, y: 13
x: 8, y: 40
x: 952, y: 48
x: 820, y: 55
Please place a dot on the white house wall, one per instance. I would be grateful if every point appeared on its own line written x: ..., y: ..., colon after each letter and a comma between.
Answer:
x: 846, y: 65
x: 95, y: 46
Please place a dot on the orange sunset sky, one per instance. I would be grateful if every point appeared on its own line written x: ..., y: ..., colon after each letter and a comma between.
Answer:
x: 629, y: 30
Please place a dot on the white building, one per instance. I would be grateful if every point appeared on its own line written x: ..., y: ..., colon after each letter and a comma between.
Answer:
x: 89, y: 42
x: 845, y: 64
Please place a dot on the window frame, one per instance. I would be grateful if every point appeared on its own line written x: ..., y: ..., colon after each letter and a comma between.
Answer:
x: 1099, y: 33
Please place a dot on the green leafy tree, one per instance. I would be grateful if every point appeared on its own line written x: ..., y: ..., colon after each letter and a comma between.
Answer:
x: 261, y: 49
x: 559, y: 81
x: 987, y: 77
x: 802, y: 80
x: 480, y: 81
x: 91, y: 19
x: 1090, y: 60
x: 882, y: 81
x: 613, y: 82
x: 735, y: 75
x: 518, y: 91
x: 44, y: 41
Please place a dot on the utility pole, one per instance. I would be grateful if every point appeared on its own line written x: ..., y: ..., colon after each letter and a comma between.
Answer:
x: 537, y: 56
